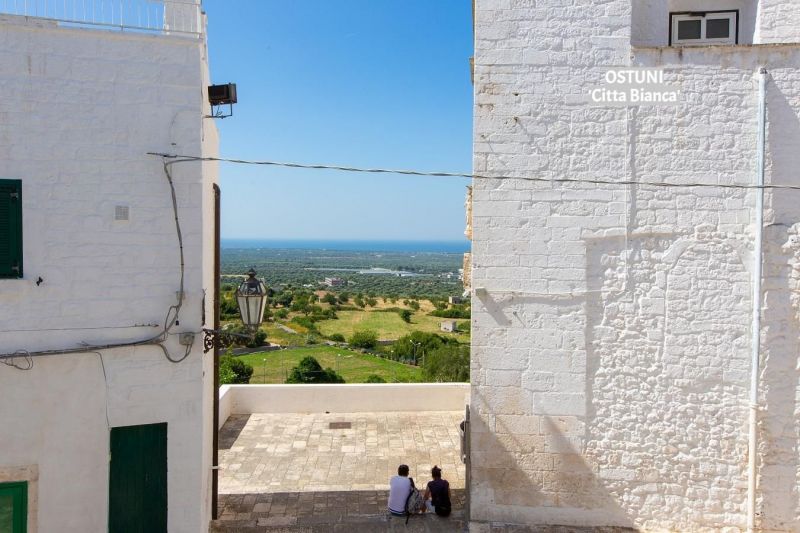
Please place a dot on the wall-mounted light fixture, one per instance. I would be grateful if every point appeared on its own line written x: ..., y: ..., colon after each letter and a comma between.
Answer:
x: 251, y: 296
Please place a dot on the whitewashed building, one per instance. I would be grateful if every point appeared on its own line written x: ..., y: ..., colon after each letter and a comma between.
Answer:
x: 613, y: 360
x: 90, y: 260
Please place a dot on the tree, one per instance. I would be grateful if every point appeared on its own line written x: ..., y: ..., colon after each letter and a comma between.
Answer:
x: 283, y: 299
x: 245, y: 336
x: 413, y: 346
x: 330, y: 298
x: 337, y: 337
x: 375, y: 378
x: 309, y: 371
x: 405, y: 314
x: 366, y: 339
x: 301, y: 305
x: 453, y: 312
x: 234, y: 370
x: 448, y: 363
x: 228, y: 308
x: 344, y: 298
x: 413, y: 304
x: 372, y: 302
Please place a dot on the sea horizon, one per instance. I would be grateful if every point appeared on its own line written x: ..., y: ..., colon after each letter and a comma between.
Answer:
x: 352, y: 245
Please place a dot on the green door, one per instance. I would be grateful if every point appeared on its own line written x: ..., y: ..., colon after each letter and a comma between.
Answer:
x: 138, y: 479
x: 14, y: 507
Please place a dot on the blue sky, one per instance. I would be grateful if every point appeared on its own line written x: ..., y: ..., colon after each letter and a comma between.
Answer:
x: 353, y: 82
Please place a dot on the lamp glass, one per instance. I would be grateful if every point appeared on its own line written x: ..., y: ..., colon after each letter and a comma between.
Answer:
x: 252, y: 299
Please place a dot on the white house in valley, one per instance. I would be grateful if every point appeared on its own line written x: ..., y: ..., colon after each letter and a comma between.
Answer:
x: 635, y: 345
x: 96, y: 285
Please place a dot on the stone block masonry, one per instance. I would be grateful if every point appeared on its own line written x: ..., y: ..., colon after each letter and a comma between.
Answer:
x: 611, y: 325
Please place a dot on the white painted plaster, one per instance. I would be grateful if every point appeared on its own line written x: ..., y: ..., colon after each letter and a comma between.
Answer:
x: 342, y: 398
x: 80, y: 110
x: 225, y: 404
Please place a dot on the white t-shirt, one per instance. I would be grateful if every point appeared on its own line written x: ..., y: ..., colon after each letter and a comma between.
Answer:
x: 399, y: 488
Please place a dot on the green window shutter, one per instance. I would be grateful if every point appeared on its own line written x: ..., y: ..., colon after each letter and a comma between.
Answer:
x: 10, y: 229
x: 14, y: 507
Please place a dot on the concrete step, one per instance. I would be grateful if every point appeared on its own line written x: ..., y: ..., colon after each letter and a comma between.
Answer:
x: 349, y: 524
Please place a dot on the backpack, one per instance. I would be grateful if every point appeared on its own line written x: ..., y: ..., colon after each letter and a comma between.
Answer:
x: 414, y: 502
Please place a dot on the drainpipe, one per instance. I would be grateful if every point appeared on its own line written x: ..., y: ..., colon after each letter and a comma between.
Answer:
x: 215, y: 386
x: 756, y: 326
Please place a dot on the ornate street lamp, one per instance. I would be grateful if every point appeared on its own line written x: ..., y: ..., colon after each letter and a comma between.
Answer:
x: 251, y: 296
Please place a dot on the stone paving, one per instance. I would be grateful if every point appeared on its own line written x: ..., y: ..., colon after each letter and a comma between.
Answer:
x: 295, y: 472
x: 265, y: 453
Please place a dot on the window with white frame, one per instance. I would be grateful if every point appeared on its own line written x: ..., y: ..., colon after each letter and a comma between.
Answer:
x: 698, y: 29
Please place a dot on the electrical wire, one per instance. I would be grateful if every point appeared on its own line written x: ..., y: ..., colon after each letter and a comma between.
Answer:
x: 177, y: 158
x: 171, y: 319
x: 11, y: 360
x: 134, y: 326
x: 105, y: 381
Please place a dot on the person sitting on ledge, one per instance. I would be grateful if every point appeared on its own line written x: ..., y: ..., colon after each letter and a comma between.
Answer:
x: 399, y: 488
x: 437, y: 494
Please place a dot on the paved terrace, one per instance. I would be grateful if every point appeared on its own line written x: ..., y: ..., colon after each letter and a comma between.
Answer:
x: 318, y: 471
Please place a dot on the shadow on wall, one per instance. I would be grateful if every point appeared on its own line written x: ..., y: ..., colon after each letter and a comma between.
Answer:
x: 525, y: 470
x: 779, y: 471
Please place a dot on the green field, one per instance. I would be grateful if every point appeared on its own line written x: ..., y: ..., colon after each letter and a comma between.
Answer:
x: 388, y: 325
x: 276, y: 335
x: 353, y: 366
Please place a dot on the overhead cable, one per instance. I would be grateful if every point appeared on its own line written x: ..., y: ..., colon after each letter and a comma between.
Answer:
x: 177, y: 158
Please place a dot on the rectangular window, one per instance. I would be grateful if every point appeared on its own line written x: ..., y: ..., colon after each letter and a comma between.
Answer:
x: 699, y: 29
x: 14, y: 507
x: 10, y: 229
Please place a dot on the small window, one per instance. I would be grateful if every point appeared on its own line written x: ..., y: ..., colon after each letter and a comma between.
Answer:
x: 697, y: 29
x: 10, y: 229
x: 14, y: 507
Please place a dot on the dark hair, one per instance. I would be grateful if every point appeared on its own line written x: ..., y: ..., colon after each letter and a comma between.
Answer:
x: 436, y: 472
x: 402, y: 470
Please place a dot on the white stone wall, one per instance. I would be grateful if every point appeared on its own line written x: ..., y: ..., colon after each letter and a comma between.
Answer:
x: 80, y: 110
x: 778, y: 21
x: 611, y: 333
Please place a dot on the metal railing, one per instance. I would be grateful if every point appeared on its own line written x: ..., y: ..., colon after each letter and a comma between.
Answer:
x: 149, y: 16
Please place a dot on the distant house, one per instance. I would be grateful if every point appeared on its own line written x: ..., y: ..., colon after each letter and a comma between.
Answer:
x: 450, y: 326
x: 455, y: 300
x: 335, y: 282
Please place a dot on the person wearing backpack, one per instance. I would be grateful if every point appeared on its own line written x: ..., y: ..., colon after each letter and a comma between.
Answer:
x: 437, y: 494
x: 404, y: 498
x: 399, y: 488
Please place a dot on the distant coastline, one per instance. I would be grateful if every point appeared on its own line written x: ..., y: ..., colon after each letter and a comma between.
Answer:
x: 453, y: 247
